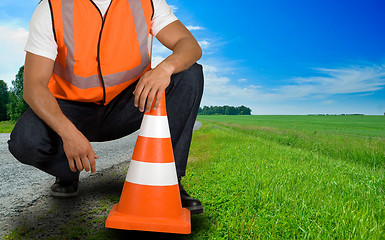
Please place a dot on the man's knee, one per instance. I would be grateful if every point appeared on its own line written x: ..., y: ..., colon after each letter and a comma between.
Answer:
x: 192, y: 79
x: 195, y: 74
x: 21, y: 148
x: 31, y: 142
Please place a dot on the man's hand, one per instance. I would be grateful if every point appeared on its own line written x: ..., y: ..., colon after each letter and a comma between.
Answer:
x: 79, y: 152
x: 185, y: 51
x: 151, y: 85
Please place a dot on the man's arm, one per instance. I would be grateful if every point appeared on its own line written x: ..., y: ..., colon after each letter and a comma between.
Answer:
x: 186, y: 51
x: 37, y: 73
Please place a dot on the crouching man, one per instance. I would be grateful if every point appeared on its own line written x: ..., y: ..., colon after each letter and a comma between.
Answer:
x: 88, y: 77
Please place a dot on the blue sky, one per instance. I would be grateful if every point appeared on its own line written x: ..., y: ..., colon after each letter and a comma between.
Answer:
x: 276, y: 57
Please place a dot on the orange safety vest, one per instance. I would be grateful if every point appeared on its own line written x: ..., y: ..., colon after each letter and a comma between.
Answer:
x: 98, y: 57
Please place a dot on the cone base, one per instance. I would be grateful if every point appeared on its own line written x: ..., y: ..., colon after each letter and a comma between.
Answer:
x: 118, y: 220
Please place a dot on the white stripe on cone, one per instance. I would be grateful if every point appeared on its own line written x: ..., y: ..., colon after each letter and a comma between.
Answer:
x: 154, y: 127
x: 152, y: 174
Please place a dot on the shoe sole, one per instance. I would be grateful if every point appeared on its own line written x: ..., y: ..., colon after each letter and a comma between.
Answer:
x: 195, y: 210
x: 63, y: 195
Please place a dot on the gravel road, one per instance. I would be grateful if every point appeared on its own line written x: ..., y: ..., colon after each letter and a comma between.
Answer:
x: 22, y: 185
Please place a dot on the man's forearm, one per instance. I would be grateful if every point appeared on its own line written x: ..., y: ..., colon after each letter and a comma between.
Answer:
x: 185, y: 54
x: 43, y: 103
x: 77, y: 148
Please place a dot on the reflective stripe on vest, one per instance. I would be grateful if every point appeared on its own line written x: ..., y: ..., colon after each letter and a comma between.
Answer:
x: 98, y: 79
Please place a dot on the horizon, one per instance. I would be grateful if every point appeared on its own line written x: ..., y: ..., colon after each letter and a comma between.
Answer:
x: 277, y: 57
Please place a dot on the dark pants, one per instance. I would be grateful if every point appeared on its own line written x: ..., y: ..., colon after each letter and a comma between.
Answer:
x: 34, y: 143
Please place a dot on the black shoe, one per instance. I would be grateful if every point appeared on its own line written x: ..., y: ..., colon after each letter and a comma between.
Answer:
x: 65, y: 188
x: 192, y: 204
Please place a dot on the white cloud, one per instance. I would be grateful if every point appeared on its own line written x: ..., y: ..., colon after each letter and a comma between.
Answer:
x: 354, y: 79
x: 12, y: 54
x: 173, y: 8
x: 192, y: 28
x: 220, y: 89
x: 159, y: 49
x: 252, y: 86
x: 204, y: 44
x: 156, y: 60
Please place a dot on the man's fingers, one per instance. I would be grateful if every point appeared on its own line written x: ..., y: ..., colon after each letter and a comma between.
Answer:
x: 79, y: 164
x: 158, y: 97
x: 141, y: 93
x: 72, y: 165
x: 143, y: 98
x: 150, y: 100
x: 92, y: 158
x: 85, y: 163
x: 149, y: 89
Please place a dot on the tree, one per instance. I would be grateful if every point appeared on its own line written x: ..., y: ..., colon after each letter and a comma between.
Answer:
x: 17, y: 105
x: 244, y: 110
x: 224, y: 110
x: 4, y: 99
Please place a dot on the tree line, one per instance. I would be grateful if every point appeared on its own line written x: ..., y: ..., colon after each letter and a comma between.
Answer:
x: 224, y: 110
x: 12, y: 104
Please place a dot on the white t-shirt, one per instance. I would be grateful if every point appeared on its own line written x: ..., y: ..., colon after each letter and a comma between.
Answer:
x: 41, y: 40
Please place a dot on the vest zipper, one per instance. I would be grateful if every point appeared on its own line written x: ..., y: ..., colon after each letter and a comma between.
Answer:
x: 98, y: 54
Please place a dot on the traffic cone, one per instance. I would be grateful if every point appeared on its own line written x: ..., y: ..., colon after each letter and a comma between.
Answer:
x: 150, y: 199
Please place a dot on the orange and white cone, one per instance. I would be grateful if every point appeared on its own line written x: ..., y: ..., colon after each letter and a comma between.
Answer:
x: 150, y: 199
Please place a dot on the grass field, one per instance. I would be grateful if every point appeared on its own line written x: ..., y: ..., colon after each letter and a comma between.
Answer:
x: 280, y: 177
x: 6, y: 126
x: 275, y: 177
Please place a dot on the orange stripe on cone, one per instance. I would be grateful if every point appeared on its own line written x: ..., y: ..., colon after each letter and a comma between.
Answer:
x: 151, y: 203
x: 161, y: 151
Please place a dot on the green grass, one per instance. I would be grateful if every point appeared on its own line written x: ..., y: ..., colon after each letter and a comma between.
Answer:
x: 352, y: 138
x: 6, y: 126
x: 256, y: 185
x: 367, y: 126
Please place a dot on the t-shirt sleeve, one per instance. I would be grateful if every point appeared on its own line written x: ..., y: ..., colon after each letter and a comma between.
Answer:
x: 163, y: 16
x: 41, y: 40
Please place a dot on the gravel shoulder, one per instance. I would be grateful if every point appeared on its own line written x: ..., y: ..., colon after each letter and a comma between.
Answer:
x: 24, y: 186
